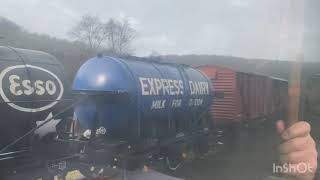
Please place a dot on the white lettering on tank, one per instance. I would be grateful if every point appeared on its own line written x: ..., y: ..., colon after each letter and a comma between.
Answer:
x: 192, y: 90
x: 199, y: 88
x: 165, y: 86
x: 181, y: 87
x: 170, y: 86
x: 195, y: 102
x: 39, y: 89
x: 143, y: 86
x: 156, y: 86
x: 28, y: 89
x: 14, y: 85
x: 51, y: 87
x: 152, y: 88
x: 176, y: 103
x: 158, y: 104
x: 176, y: 86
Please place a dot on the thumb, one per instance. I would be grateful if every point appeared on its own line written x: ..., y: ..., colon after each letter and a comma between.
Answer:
x: 280, y: 126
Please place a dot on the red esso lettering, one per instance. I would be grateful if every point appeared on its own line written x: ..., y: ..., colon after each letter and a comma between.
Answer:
x: 26, y: 87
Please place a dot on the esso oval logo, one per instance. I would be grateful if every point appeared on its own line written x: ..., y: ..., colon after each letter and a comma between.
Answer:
x: 28, y: 88
x: 17, y: 89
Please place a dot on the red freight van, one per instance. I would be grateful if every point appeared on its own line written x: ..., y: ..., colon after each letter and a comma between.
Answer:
x: 248, y: 97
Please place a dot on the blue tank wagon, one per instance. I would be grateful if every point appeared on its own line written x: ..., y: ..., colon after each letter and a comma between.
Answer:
x: 140, y: 102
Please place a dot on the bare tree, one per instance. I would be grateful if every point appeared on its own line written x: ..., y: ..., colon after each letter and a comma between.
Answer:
x: 120, y: 36
x: 89, y: 30
x: 114, y: 36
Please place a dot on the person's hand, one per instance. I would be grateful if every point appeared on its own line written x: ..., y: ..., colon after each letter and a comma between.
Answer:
x: 298, y: 149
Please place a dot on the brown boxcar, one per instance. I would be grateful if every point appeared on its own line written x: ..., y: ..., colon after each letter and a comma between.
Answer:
x: 247, y: 97
x: 279, y: 98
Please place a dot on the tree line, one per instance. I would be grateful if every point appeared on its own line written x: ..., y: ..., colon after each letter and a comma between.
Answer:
x: 88, y: 37
x: 114, y: 36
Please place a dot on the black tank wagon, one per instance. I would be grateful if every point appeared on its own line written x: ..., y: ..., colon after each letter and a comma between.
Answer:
x: 32, y: 89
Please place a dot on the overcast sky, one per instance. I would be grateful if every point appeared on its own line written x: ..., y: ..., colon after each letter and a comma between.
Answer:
x: 247, y: 28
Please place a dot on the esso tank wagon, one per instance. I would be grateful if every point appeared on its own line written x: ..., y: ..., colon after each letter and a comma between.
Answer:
x: 138, y: 108
x: 33, y: 88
